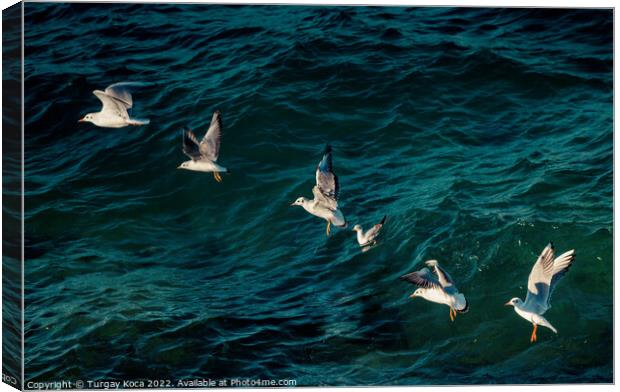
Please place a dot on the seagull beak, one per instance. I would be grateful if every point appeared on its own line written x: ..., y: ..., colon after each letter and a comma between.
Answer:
x: 81, y: 120
x: 508, y: 303
x: 412, y: 296
x: 292, y: 204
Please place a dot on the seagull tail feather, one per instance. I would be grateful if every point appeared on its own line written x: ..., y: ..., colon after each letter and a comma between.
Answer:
x: 138, y: 121
x: 545, y: 323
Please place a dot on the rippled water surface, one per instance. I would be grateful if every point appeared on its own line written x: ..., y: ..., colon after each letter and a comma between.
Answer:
x: 481, y: 134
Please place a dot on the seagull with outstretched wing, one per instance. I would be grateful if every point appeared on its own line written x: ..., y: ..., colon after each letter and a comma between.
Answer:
x: 543, y: 278
x: 116, y: 101
x: 365, y: 238
x: 438, y: 288
x: 326, y: 192
x: 203, y: 155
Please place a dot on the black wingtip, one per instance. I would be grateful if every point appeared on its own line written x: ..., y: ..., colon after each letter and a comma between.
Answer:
x: 325, y: 164
x: 551, y: 245
x: 383, y: 220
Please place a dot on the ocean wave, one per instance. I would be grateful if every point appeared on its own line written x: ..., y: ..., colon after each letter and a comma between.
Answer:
x: 475, y: 133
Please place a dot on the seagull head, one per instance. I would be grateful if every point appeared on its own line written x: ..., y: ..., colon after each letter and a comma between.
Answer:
x: 90, y: 117
x: 184, y: 165
x: 357, y: 228
x: 299, y: 202
x: 514, y: 302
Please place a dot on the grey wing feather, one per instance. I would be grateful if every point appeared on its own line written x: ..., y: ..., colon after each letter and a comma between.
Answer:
x: 324, y: 200
x: 328, y: 184
x: 373, y: 232
x: 423, y: 278
x: 561, y: 265
x: 539, y: 281
x: 122, y: 91
x: 190, y: 145
x: 111, y: 105
x: 210, y: 144
x: 444, y: 278
x: 326, y: 179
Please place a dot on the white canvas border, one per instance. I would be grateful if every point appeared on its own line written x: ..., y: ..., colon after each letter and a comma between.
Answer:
x: 479, y: 3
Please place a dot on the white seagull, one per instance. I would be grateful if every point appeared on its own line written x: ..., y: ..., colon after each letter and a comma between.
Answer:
x: 116, y: 100
x: 325, y: 202
x: 204, y: 154
x: 368, y: 237
x: 438, y: 288
x: 545, y: 274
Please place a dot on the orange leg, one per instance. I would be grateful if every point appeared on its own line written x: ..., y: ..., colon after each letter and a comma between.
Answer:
x: 217, y: 176
x: 533, y: 337
x: 452, y: 314
x: 327, y: 230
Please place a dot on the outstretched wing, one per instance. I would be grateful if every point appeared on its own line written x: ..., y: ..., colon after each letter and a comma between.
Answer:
x: 539, y: 282
x: 120, y: 91
x: 326, y: 180
x: 442, y: 275
x: 373, y: 232
x: 190, y: 145
x: 323, y: 200
x: 210, y: 144
x: 111, y: 105
x: 561, y: 265
x: 422, y: 278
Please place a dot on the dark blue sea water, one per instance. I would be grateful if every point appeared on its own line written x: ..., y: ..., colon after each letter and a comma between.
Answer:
x: 481, y: 133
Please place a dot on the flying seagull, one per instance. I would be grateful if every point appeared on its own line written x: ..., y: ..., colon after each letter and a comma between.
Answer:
x: 325, y: 202
x: 370, y: 236
x: 204, y: 154
x: 545, y: 275
x: 439, y: 288
x: 116, y: 100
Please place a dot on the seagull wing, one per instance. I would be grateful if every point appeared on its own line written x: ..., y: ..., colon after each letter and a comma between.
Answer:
x: 323, y: 200
x: 539, y: 282
x: 422, y: 278
x: 210, y: 144
x: 373, y: 232
x: 444, y: 278
x: 121, y: 91
x: 561, y: 265
x: 326, y: 181
x: 190, y: 145
x: 111, y: 105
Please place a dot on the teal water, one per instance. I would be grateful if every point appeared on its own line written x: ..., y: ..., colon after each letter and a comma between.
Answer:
x: 481, y: 133
x: 11, y: 197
